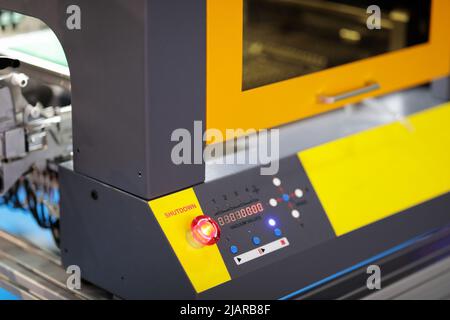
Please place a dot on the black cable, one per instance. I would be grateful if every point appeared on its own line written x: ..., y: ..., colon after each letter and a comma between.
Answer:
x: 6, y: 62
x: 39, y: 211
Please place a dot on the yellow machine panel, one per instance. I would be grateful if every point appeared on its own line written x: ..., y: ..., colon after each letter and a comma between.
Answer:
x: 204, y: 267
x: 372, y: 175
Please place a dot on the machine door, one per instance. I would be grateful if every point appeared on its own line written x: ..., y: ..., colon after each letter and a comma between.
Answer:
x: 271, y: 62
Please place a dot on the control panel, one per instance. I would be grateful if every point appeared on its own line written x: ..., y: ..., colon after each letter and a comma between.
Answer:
x: 224, y: 229
x: 263, y: 219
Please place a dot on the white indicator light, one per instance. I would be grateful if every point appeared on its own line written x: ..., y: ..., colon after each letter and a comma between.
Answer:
x: 299, y: 193
x: 295, y: 214
x: 273, y: 202
x: 272, y: 223
x: 277, y: 182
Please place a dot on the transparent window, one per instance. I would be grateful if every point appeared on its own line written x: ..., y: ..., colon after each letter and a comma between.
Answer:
x: 284, y: 39
x: 26, y: 38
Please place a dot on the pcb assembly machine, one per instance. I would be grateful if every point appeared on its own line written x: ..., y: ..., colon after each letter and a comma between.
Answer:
x: 364, y: 121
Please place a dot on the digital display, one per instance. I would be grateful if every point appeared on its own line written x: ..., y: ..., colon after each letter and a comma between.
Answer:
x: 240, y: 214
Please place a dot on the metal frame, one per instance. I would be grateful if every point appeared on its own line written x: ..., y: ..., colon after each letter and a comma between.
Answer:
x: 31, y: 273
x: 441, y: 88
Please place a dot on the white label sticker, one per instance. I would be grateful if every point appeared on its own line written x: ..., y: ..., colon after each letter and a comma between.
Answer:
x: 261, y: 251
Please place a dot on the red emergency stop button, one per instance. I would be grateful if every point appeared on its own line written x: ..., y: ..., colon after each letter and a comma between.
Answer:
x: 205, y: 231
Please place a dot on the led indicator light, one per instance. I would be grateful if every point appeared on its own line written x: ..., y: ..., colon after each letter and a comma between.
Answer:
x: 276, y: 182
x: 273, y: 202
x: 205, y: 231
x: 299, y: 193
x: 272, y: 222
x: 278, y: 232
x: 256, y: 241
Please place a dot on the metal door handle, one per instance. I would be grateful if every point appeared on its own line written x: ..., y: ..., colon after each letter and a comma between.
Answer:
x: 349, y: 94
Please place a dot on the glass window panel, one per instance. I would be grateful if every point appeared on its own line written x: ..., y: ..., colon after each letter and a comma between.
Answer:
x: 284, y: 39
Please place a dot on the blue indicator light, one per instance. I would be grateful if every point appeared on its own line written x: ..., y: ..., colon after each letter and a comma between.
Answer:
x: 234, y: 249
x: 277, y: 232
x: 256, y: 241
x: 272, y: 222
x: 286, y: 197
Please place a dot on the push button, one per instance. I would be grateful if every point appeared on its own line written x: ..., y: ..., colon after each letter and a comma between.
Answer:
x: 256, y: 241
x: 277, y: 232
x: 205, y: 231
x: 299, y: 193
x: 234, y: 249
x: 276, y: 182
x: 273, y: 202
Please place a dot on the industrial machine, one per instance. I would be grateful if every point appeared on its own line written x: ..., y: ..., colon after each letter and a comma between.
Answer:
x: 357, y: 183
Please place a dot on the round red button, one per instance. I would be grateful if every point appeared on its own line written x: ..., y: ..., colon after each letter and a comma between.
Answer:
x: 205, y: 231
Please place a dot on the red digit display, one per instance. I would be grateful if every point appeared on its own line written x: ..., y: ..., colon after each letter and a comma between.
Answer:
x: 240, y: 214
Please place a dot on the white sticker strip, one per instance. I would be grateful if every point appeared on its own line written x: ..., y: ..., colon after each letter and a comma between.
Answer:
x: 261, y: 251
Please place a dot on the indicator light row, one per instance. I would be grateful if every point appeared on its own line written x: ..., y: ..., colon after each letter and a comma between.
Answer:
x: 256, y: 241
x: 286, y: 198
